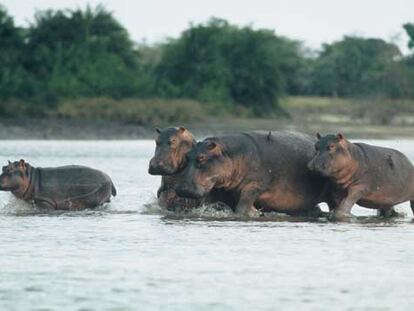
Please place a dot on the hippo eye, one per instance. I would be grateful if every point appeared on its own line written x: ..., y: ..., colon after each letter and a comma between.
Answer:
x: 331, y: 147
x: 172, y: 142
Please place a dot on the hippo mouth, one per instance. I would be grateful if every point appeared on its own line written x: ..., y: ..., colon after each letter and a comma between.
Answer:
x: 4, y: 188
x: 312, y: 166
x: 160, y: 170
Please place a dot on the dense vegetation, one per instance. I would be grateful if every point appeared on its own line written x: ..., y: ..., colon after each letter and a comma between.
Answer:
x: 69, y: 56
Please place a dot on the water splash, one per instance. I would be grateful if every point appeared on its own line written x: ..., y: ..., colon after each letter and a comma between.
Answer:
x: 17, y: 207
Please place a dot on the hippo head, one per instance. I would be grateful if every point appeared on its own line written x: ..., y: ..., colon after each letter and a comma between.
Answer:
x: 331, y: 156
x: 207, y: 167
x: 14, y: 177
x: 172, y: 144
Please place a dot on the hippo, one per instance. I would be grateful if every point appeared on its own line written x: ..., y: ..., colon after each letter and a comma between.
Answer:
x: 262, y: 171
x: 370, y: 176
x: 172, y: 145
x: 64, y: 188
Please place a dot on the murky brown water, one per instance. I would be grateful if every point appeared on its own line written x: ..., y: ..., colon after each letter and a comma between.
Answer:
x: 128, y: 256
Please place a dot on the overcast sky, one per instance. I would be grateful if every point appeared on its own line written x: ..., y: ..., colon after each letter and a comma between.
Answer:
x: 312, y: 21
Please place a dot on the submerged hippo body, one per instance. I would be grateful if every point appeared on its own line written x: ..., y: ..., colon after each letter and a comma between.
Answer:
x: 265, y: 171
x: 370, y: 176
x: 168, y: 198
x: 172, y: 145
x: 65, y: 187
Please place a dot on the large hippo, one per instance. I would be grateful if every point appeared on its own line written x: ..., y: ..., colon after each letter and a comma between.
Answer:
x: 65, y: 187
x: 265, y: 171
x: 172, y: 145
x: 371, y: 176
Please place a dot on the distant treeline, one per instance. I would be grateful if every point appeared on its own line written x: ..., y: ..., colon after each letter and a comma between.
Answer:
x: 78, y: 54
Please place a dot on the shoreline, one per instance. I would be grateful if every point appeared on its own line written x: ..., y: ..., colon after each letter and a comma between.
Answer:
x: 66, y: 129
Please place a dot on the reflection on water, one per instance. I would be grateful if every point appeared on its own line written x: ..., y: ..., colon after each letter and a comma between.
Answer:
x: 131, y: 255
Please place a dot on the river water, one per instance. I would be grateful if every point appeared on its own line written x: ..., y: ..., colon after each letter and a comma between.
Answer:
x: 128, y: 255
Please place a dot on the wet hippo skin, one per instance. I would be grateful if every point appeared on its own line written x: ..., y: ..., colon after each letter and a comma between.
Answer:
x: 370, y: 176
x: 172, y: 145
x: 65, y: 187
x: 265, y: 171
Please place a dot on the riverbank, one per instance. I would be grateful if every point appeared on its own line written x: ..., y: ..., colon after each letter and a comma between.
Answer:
x: 80, y: 130
x: 369, y: 119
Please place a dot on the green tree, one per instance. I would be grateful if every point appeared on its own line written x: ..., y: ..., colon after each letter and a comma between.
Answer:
x: 355, y: 67
x: 220, y: 62
x: 12, y: 44
x: 409, y: 29
x: 82, y: 53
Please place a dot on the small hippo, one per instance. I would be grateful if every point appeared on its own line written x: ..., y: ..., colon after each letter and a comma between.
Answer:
x: 172, y: 145
x: 65, y: 187
x: 371, y: 176
x: 262, y: 171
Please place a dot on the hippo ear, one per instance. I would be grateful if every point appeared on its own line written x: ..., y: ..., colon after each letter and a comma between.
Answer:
x: 9, y: 162
x: 340, y: 136
x: 211, y: 145
x: 22, y: 164
x: 181, y: 129
x: 318, y: 136
x: 158, y: 130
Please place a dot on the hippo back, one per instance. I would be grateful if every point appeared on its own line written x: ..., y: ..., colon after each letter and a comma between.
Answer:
x: 278, y: 161
x: 386, y: 166
x: 284, y: 150
x: 284, y: 157
x: 69, y: 181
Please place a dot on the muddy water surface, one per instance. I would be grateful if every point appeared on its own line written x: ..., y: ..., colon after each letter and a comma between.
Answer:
x: 128, y: 255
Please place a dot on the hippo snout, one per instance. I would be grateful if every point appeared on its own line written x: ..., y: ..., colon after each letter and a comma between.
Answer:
x: 317, y: 166
x: 157, y: 168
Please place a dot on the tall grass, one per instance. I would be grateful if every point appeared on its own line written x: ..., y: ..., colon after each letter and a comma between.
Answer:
x: 374, y: 111
x: 132, y: 111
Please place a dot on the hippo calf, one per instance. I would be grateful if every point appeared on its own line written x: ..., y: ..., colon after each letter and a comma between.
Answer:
x: 65, y: 187
x: 371, y: 176
x: 172, y: 145
x: 264, y: 171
